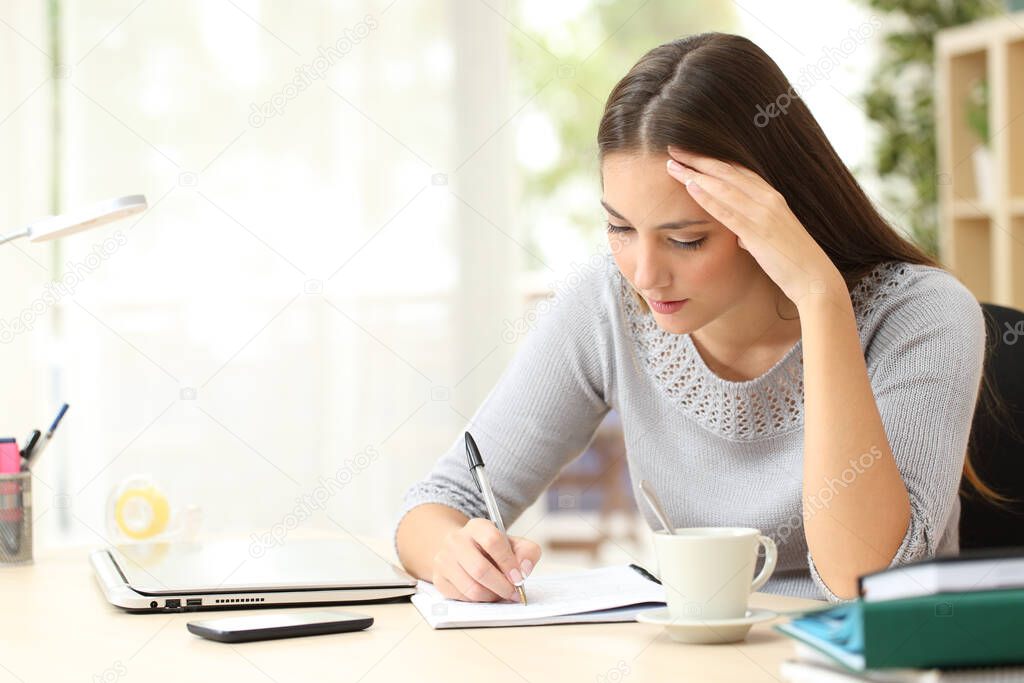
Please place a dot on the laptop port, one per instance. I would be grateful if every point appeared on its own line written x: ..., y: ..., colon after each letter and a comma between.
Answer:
x: 194, y: 602
x: 172, y: 604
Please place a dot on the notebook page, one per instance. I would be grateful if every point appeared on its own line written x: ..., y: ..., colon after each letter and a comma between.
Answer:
x: 811, y: 665
x: 547, y: 596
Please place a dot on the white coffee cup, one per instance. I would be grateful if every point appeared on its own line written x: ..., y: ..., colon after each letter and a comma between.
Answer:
x: 708, y: 572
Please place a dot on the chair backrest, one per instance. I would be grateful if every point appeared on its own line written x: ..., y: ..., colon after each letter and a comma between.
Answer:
x: 998, y: 443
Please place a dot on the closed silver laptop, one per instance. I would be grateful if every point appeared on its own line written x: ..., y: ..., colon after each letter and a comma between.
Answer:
x: 174, y: 577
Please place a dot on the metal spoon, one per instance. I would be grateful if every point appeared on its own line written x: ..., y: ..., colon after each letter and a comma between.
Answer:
x: 652, y: 500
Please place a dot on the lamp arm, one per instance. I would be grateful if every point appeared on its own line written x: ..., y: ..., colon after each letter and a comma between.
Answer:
x: 15, y: 235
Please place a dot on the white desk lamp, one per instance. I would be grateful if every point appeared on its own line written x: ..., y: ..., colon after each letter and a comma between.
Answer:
x: 94, y: 216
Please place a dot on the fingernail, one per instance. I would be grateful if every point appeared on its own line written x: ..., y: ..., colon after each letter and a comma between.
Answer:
x: 674, y: 165
x: 515, y: 577
x: 527, y: 567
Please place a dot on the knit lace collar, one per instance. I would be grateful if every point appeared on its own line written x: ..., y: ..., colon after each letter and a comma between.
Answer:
x: 767, y: 405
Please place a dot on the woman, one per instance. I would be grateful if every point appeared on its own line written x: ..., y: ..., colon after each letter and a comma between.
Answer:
x: 781, y: 358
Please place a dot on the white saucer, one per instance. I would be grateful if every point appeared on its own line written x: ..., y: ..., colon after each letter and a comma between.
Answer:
x: 705, y: 630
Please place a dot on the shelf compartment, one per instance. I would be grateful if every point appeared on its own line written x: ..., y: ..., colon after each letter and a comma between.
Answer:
x: 964, y: 71
x: 1015, y: 116
x: 970, y: 253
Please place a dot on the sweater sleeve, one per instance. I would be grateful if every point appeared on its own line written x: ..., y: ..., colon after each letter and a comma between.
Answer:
x: 925, y: 362
x: 542, y: 413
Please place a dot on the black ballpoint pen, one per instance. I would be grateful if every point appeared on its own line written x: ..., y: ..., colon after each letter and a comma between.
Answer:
x: 476, y: 467
x: 30, y: 444
x: 42, y: 443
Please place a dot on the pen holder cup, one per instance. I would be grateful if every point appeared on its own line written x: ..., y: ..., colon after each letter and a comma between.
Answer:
x: 15, y: 518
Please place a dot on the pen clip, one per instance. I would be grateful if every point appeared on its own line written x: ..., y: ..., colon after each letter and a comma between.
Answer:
x: 474, y: 459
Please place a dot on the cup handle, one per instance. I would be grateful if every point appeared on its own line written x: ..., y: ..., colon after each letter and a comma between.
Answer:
x: 771, y: 556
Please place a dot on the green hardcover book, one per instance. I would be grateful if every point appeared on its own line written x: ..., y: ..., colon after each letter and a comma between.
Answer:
x: 984, y: 628
x: 947, y: 629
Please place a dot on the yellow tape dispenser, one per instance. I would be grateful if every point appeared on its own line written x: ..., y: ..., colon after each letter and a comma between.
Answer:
x: 137, y: 510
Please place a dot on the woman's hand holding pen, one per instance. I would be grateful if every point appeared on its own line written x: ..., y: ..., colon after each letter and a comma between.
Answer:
x: 478, y: 563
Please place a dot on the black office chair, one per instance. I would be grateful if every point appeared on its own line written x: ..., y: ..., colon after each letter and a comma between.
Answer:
x: 997, y: 440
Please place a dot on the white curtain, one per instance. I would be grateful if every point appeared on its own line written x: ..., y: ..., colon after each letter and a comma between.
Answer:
x: 25, y: 168
x: 317, y: 291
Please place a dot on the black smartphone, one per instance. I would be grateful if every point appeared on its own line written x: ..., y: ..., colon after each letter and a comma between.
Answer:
x: 279, y: 625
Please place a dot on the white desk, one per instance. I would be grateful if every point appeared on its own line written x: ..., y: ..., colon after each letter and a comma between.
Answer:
x: 55, y: 626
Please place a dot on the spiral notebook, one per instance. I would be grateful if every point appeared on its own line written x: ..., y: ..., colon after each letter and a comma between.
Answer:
x: 608, y: 594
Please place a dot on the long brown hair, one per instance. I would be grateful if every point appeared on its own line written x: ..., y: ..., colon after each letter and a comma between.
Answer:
x: 720, y: 95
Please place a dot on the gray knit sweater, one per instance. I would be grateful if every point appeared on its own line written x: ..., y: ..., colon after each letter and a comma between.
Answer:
x: 724, y: 453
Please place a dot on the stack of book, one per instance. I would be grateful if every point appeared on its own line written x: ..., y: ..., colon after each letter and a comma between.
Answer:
x: 947, y: 619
